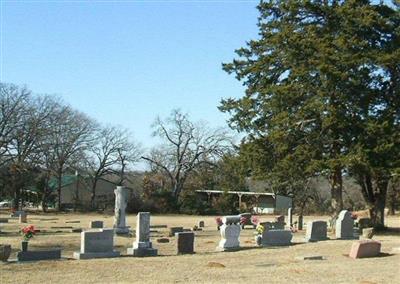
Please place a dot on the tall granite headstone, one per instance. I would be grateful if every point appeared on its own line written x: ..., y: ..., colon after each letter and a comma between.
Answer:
x: 121, y: 200
x: 142, y: 245
x: 344, y: 225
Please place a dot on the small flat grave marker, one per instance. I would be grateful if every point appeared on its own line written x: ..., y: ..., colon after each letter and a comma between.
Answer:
x: 365, y: 248
x: 96, y: 224
x: 174, y: 230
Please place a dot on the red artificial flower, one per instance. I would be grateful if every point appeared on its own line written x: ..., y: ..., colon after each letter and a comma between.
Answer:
x: 219, y: 221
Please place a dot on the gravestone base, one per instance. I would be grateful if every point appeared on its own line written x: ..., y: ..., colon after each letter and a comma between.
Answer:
x: 122, y: 231
x: 311, y: 240
x: 89, y: 255
x: 348, y: 238
x: 39, y: 255
x: 142, y: 249
x: 142, y: 252
x: 228, y: 249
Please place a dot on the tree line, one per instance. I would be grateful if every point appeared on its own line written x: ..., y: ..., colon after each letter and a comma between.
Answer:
x: 41, y: 138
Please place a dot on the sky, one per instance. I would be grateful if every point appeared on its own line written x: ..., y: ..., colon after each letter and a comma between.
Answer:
x: 126, y: 62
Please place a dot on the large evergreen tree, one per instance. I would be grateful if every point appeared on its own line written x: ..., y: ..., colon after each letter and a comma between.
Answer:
x: 320, y: 76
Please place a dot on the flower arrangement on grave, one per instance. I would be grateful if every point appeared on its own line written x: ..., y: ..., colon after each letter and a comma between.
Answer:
x: 260, y: 229
x: 218, y: 220
x: 243, y: 220
x: 28, y: 232
x: 254, y: 220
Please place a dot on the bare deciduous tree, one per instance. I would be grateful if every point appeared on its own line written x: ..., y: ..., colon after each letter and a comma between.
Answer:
x: 187, y: 146
x: 111, y: 149
x: 12, y: 105
x: 23, y: 146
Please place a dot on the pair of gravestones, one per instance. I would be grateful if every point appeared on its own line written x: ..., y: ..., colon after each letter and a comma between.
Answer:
x: 99, y: 243
x: 230, y: 233
x: 344, y: 228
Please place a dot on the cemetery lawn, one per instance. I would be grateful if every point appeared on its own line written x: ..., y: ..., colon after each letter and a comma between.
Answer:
x: 249, y: 265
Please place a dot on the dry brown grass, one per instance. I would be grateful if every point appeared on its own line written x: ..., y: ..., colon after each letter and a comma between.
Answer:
x: 251, y: 264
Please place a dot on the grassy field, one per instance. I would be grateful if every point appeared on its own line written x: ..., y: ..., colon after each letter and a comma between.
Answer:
x: 249, y: 265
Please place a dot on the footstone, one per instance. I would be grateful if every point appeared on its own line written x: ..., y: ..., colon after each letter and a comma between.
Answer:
x: 97, y: 243
x: 276, y: 238
x: 310, y: 257
x: 163, y: 240
x: 174, y: 230
x: 39, y: 255
x: 142, y: 245
x: 368, y: 233
x: 158, y: 226
x: 96, y: 224
x: 344, y: 225
x: 316, y: 231
x: 185, y: 242
x: 365, y: 248
x: 76, y: 230
x: 121, y: 199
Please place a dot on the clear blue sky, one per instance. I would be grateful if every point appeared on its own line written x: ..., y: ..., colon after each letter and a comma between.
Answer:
x: 125, y: 62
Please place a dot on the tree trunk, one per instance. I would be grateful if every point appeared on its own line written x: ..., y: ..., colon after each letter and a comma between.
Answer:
x: 336, y: 181
x: 59, y: 185
x: 392, y: 200
x: 93, y: 195
x: 16, y: 191
x: 17, y: 197
x: 45, y: 194
x: 377, y: 210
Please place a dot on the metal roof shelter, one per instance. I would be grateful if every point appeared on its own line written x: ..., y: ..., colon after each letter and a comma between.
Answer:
x: 279, y: 202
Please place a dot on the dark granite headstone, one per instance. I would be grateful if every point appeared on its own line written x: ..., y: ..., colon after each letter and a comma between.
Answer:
x: 185, y: 242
